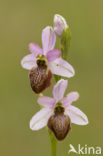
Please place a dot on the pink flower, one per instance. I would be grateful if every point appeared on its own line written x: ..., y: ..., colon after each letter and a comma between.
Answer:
x: 52, y: 56
x: 58, y: 111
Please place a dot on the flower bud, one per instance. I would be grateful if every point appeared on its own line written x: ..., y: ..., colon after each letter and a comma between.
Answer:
x: 59, y: 24
x: 40, y: 77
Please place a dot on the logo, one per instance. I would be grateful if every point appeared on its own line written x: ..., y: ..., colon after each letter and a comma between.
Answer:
x: 89, y: 150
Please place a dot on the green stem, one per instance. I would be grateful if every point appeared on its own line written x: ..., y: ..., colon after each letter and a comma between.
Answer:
x: 52, y: 137
x: 65, y: 43
x: 57, y: 78
x: 53, y: 143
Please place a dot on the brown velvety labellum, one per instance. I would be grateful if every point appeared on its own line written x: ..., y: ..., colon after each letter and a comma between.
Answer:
x: 40, y: 77
x: 60, y: 125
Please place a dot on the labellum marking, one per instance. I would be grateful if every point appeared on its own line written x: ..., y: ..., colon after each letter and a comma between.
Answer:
x: 40, y: 77
x: 59, y: 123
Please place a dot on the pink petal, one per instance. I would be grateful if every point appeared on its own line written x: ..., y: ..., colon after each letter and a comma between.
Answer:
x: 59, y: 89
x: 71, y: 97
x: 28, y: 62
x: 62, y: 68
x: 46, y: 101
x: 40, y: 119
x: 48, y: 39
x: 76, y: 115
x: 53, y: 55
x: 35, y: 49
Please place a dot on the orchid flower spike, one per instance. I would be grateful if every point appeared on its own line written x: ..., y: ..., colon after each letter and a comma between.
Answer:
x: 58, y: 112
x: 60, y: 24
x: 43, y: 62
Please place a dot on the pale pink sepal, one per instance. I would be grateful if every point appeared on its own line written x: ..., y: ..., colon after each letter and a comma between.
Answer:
x: 40, y: 119
x: 76, y: 115
x: 48, y: 39
x: 62, y: 68
x: 28, y: 62
x: 59, y: 89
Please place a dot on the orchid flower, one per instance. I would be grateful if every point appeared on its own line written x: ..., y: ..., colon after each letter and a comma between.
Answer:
x: 58, y: 112
x: 55, y: 63
x: 48, y: 57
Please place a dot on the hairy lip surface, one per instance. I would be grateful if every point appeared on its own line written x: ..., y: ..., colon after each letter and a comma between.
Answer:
x: 60, y: 125
x: 40, y: 78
